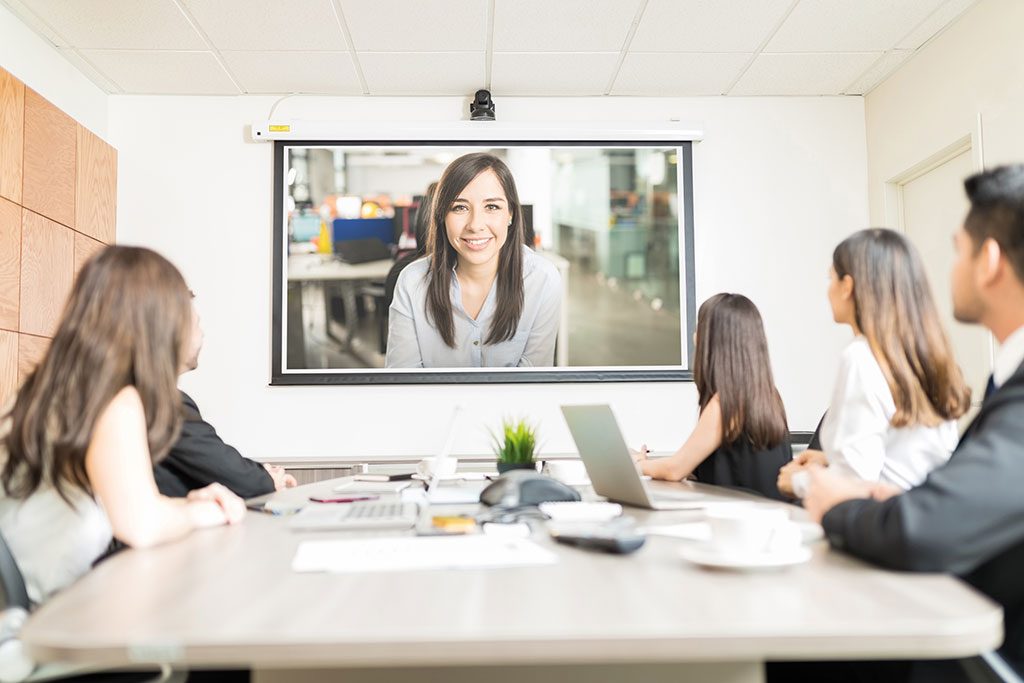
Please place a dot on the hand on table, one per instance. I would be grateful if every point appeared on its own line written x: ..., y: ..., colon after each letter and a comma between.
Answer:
x: 231, y: 506
x: 282, y: 480
x: 828, y: 488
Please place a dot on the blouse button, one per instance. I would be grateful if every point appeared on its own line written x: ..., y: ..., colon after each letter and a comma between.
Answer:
x: 476, y: 342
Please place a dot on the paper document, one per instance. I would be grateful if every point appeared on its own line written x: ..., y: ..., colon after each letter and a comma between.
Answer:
x: 373, y: 486
x: 416, y: 553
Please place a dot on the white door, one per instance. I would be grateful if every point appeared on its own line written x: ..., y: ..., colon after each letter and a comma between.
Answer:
x: 934, y: 206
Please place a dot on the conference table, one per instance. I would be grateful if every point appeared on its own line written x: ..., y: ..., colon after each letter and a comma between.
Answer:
x: 227, y: 597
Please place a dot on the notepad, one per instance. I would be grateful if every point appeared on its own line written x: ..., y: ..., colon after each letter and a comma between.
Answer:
x: 418, y: 553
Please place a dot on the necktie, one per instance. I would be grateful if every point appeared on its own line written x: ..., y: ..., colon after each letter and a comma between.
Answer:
x: 990, y: 388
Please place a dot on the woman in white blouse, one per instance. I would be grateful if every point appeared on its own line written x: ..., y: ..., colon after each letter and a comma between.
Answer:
x: 899, y: 391
x: 481, y: 297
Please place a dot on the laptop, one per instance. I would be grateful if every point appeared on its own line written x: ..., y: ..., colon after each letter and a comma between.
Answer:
x: 610, y: 466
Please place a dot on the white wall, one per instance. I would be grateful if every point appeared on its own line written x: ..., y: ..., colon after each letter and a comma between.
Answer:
x: 778, y: 182
x: 40, y: 66
x: 973, y: 71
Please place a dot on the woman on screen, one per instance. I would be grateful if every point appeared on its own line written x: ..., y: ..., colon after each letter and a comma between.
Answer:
x: 899, y: 391
x: 78, y: 444
x: 741, y: 438
x: 480, y: 298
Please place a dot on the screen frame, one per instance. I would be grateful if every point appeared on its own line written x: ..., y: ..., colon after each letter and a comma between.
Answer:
x: 482, y: 376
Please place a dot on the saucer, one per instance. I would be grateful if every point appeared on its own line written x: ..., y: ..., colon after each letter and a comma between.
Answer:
x: 708, y: 556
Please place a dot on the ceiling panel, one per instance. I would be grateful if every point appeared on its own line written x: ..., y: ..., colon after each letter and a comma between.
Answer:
x: 419, y: 73
x: 286, y: 72
x: 803, y: 73
x: 563, y: 26
x: 552, y: 73
x: 845, y: 26
x: 416, y: 25
x: 171, y: 73
x: 935, y: 23
x: 707, y: 25
x: 679, y: 74
x: 884, y: 66
x: 267, y: 25
x: 122, y: 24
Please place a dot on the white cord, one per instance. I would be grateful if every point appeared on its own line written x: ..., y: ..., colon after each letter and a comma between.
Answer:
x: 279, y: 101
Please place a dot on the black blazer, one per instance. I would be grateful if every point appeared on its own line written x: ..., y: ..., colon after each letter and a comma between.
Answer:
x: 200, y: 458
x: 967, y: 517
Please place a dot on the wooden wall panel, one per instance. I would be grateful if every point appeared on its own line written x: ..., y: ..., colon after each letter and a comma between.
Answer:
x: 85, y: 247
x: 8, y: 367
x: 51, y: 137
x: 96, y: 189
x: 10, y: 264
x: 47, y: 269
x: 12, y: 135
x: 30, y: 351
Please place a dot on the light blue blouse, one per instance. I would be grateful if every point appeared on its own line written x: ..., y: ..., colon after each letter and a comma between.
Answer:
x: 414, y: 343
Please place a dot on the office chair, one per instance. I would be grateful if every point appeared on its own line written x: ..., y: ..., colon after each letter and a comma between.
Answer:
x: 16, y: 666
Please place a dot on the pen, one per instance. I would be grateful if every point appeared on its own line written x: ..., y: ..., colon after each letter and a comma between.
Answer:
x: 342, y: 499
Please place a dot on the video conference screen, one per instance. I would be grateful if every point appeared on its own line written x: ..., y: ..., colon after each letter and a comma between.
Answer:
x: 603, y: 233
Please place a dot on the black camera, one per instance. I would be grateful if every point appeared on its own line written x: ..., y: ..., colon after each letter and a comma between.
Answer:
x: 482, y: 107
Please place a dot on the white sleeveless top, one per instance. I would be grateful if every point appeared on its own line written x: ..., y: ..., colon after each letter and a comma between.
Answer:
x: 53, y: 543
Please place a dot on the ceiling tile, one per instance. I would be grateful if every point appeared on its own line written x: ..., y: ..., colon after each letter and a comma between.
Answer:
x: 91, y: 72
x: 423, y: 73
x: 678, y: 74
x: 845, y: 26
x: 552, y: 73
x: 935, y: 23
x: 119, y: 24
x: 21, y: 9
x: 803, y: 73
x: 707, y: 25
x: 285, y: 72
x: 564, y: 26
x: 878, y: 71
x: 417, y: 25
x: 266, y: 25
x: 166, y: 73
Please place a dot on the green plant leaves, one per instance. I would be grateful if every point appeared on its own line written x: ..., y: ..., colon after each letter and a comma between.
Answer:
x: 517, y: 441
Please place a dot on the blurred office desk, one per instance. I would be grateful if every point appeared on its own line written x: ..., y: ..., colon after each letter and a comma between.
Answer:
x: 227, y: 596
x: 327, y: 270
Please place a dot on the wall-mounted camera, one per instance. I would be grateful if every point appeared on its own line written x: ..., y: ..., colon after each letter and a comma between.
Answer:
x: 482, y: 107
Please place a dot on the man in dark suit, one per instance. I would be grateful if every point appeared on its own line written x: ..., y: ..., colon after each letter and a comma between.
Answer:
x: 200, y: 457
x: 967, y: 518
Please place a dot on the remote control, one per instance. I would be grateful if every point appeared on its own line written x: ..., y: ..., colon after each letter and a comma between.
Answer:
x: 610, y: 542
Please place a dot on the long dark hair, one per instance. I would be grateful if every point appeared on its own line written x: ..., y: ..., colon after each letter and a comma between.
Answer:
x: 894, y: 309
x: 443, y: 256
x: 127, y: 322
x: 731, y: 360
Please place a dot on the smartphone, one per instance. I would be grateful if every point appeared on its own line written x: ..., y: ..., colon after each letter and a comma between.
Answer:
x: 342, y: 499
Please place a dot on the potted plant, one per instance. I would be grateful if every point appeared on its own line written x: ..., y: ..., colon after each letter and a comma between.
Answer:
x: 515, y: 446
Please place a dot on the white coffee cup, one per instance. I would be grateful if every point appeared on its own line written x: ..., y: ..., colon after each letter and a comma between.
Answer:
x: 751, y: 528
x: 428, y: 467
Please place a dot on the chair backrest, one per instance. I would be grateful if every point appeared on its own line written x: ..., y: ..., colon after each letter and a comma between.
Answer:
x: 11, y: 580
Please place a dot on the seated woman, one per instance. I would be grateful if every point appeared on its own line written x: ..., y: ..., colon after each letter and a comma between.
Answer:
x: 899, y: 391
x: 78, y: 446
x: 741, y: 438
x: 481, y: 298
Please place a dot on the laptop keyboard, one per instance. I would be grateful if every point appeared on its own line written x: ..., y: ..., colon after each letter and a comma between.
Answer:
x: 368, y: 515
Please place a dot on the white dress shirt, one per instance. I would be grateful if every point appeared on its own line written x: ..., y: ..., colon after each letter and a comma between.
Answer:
x: 857, y: 434
x: 1008, y: 358
x: 413, y: 342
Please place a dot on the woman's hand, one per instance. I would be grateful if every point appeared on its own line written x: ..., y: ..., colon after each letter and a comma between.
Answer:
x: 282, y: 480
x: 232, y: 507
x: 811, y: 457
x: 785, y: 479
x: 640, y: 455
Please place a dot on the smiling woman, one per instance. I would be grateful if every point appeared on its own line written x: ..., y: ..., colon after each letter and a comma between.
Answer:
x: 480, y: 298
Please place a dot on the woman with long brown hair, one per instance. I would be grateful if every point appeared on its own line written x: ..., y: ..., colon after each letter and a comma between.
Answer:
x: 899, y: 391
x: 741, y: 438
x: 78, y: 445
x: 481, y: 297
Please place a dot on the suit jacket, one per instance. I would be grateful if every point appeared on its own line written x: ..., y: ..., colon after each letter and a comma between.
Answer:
x: 966, y: 518
x: 200, y: 458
